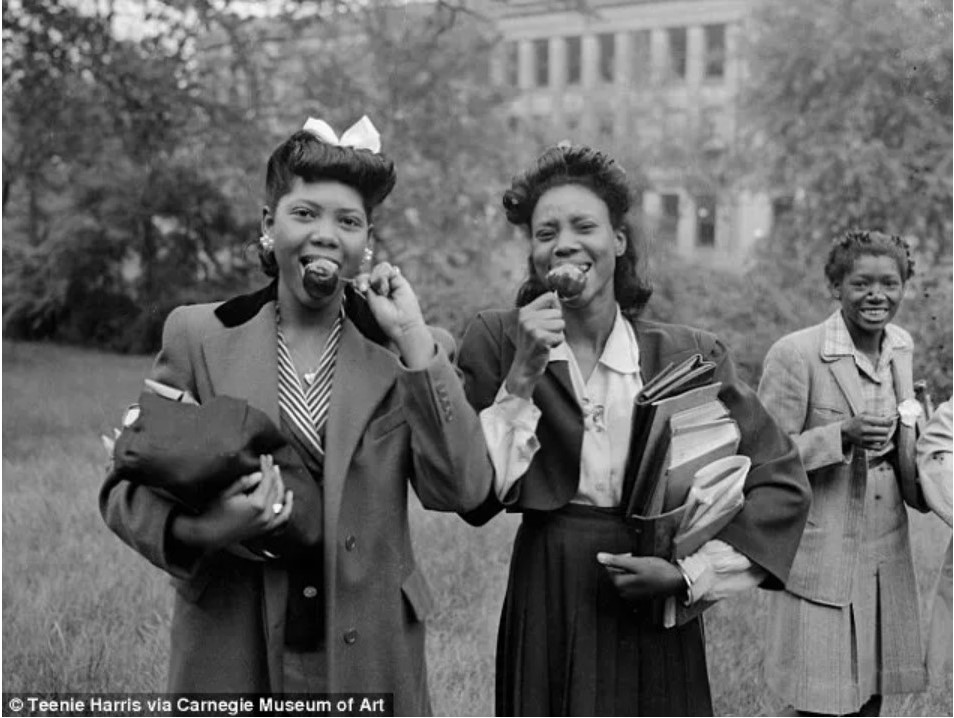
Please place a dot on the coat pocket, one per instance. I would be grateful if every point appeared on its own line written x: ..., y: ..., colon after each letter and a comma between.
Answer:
x: 825, y: 415
x: 387, y: 423
x: 418, y: 596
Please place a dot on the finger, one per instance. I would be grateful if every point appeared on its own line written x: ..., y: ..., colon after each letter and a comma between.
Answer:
x: 279, y: 481
x: 362, y: 282
x: 275, y: 494
x: 282, y: 517
x: 380, y: 279
x: 546, y: 324
x: 546, y: 300
x: 530, y: 315
x: 243, y: 485
x: 877, y: 434
x: 621, y: 561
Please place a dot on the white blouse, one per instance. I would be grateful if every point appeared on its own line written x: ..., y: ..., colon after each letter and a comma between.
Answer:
x: 606, y: 400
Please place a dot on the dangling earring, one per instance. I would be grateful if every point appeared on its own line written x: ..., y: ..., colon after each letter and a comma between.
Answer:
x: 267, y: 243
x: 367, y: 258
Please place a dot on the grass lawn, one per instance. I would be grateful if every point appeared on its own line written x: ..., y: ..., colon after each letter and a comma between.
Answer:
x: 82, y: 612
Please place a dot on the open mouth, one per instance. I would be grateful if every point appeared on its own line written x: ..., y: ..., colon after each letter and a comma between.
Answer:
x: 874, y: 314
x: 568, y: 280
x: 319, y: 276
x: 570, y: 266
x: 320, y: 264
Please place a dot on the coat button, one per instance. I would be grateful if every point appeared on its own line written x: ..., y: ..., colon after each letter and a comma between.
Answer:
x: 350, y: 543
x: 350, y: 636
x: 309, y: 592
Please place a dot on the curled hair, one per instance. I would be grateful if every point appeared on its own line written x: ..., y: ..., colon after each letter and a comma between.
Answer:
x: 845, y: 250
x: 304, y: 155
x: 598, y: 172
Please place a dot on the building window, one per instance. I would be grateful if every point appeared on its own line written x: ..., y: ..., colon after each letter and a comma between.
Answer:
x: 705, y: 221
x: 607, y: 45
x: 574, y: 60
x: 640, y: 57
x: 606, y: 127
x: 781, y: 211
x: 677, y: 52
x: 572, y: 122
x: 512, y: 63
x: 715, y: 52
x: 541, y: 62
x: 669, y: 220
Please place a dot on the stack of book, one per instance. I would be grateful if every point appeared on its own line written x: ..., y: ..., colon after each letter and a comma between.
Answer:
x: 682, y: 486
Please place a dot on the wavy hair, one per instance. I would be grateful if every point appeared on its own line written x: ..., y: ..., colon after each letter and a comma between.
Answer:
x: 600, y: 173
x: 304, y: 155
x: 855, y: 243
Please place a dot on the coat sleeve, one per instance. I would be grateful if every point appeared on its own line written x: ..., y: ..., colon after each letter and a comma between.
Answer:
x: 934, y: 462
x: 452, y: 468
x: 140, y: 517
x: 786, y: 389
x: 777, y: 493
x: 480, y: 365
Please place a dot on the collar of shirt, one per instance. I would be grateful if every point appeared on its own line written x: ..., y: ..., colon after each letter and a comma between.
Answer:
x: 620, y: 353
x: 838, y: 342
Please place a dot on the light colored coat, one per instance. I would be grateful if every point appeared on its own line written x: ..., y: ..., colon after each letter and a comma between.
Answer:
x: 811, y: 394
x: 387, y: 427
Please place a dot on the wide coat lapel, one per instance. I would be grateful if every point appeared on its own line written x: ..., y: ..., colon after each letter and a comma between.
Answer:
x: 242, y: 361
x: 364, y: 372
x: 650, y: 348
x: 845, y: 372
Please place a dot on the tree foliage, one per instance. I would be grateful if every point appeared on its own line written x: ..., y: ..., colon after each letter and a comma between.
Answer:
x: 134, y: 166
x: 849, y: 110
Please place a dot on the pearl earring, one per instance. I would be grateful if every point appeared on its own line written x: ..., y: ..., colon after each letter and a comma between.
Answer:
x: 366, y: 259
x: 267, y: 243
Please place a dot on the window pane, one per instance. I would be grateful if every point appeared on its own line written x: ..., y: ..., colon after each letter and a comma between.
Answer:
x: 669, y: 221
x: 705, y: 221
x: 512, y: 63
x: 541, y: 61
x: 677, y: 52
x: 574, y: 60
x: 781, y: 211
x: 715, y: 51
x: 607, y: 43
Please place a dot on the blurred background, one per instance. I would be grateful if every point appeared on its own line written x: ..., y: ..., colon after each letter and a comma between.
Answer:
x: 135, y: 136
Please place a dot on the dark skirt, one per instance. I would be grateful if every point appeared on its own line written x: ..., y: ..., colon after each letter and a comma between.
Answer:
x: 568, y: 645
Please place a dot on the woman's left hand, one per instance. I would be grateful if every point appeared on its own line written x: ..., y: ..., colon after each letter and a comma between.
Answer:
x: 640, y: 577
x: 396, y: 310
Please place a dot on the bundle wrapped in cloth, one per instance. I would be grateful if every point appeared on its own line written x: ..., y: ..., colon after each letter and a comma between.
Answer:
x: 190, y: 453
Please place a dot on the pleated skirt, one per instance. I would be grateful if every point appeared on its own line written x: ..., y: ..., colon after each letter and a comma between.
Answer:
x: 568, y: 645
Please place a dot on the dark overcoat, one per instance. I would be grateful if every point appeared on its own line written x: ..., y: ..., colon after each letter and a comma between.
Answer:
x: 777, y: 494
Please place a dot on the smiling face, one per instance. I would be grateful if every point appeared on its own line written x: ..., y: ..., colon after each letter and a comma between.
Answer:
x: 316, y: 220
x: 571, y: 225
x: 870, y: 294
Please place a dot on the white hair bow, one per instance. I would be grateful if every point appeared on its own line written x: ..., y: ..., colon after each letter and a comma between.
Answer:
x: 362, y: 135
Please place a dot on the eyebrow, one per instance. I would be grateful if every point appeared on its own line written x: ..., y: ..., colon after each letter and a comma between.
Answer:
x: 311, y: 203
